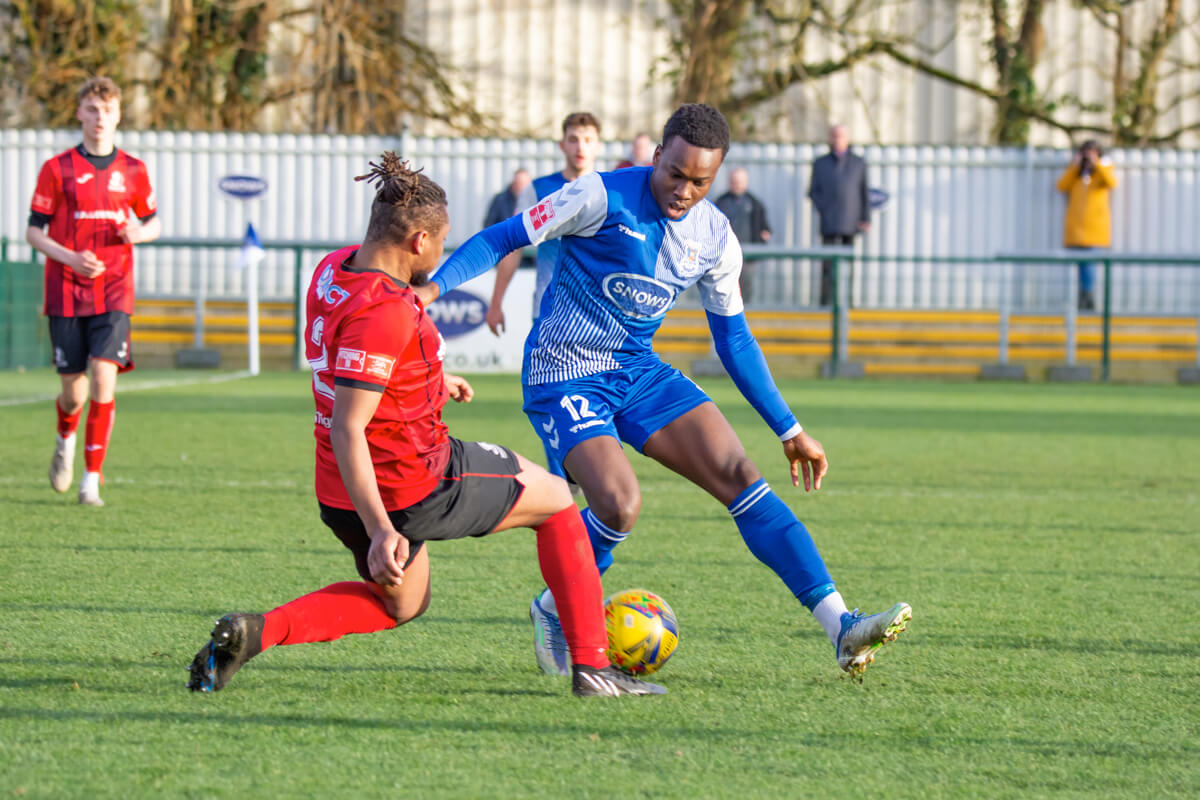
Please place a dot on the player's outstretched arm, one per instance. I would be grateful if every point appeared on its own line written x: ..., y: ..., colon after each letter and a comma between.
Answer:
x: 479, y: 254
x: 807, y: 457
x: 743, y: 359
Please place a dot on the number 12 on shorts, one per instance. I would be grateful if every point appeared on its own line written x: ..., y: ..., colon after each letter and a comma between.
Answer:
x: 577, y: 406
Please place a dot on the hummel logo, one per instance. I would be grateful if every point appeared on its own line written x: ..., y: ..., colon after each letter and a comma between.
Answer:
x: 85, y: 178
x: 548, y: 427
x: 631, y: 232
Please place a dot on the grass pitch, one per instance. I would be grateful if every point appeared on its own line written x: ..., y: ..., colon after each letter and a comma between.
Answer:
x: 1048, y: 538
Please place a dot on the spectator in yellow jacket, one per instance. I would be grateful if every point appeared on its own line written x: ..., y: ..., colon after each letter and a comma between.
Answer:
x: 1088, y: 223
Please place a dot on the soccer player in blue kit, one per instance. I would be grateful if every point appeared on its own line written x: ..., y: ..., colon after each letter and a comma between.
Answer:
x: 631, y: 241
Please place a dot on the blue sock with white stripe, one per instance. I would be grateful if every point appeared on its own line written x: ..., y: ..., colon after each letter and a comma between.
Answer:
x: 781, y: 541
x: 603, y: 539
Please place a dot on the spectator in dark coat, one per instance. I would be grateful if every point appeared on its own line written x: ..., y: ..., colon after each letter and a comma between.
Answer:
x: 838, y: 191
x: 748, y: 218
x: 504, y: 205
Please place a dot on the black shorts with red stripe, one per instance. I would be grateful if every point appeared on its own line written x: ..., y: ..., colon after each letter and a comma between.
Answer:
x: 478, y: 490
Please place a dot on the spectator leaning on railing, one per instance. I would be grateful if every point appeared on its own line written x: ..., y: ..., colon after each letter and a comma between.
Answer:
x: 1088, y: 222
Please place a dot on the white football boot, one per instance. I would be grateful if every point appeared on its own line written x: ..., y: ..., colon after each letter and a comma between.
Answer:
x: 549, y: 641
x: 62, y: 465
x: 89, y: 490
x: 862, y: 636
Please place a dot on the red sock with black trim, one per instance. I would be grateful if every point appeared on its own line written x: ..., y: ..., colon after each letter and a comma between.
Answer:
x: 569, y: 568
x: 327, y: 614
x: 67, y: 423
x: 97, y: 432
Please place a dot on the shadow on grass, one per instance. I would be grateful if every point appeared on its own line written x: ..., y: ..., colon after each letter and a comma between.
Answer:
x: 219, y: 716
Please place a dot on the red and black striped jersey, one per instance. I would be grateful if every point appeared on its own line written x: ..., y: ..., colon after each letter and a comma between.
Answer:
x: 86, y: 201
x: 367, y: 330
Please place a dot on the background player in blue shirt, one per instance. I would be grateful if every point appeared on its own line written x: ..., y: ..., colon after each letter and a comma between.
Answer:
x: 631, y: 241
x: 580, y: 145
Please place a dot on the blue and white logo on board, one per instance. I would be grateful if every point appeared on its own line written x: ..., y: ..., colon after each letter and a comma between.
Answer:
x: 457, y: 313
x: 242, y: 186
x: 638, y: 296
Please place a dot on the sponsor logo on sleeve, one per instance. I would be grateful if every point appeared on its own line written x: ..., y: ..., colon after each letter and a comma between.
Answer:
x: 41, y: 203
x: 378, y: 366
x: 542, y: 213
x: 318, y: 330
x: 350, y: 360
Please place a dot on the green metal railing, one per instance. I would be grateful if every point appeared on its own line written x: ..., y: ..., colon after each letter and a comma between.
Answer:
x: 838, y: 256
x: 839, y: 318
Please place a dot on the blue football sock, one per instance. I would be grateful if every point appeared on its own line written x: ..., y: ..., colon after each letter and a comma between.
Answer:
x: 603, y: 539
x: 781, y: 541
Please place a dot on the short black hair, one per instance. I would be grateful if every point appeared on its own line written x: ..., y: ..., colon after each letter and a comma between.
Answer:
x: 699, y: 125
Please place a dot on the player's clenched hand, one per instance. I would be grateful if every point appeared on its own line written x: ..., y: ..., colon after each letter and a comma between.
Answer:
x: 807, y: 456
x: 458, y: 388
x: 86, y: 264
x: 131, y: 231
x: 495, y: 319
x: 386, y: 557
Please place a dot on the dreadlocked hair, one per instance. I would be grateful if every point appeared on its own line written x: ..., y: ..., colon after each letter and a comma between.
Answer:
x: 405, y: 200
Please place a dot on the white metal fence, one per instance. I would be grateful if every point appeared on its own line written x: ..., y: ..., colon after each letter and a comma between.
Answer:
x: 944, y: 201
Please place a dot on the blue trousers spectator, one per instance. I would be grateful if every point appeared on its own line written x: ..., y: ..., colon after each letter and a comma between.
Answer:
x: 1087, y: 281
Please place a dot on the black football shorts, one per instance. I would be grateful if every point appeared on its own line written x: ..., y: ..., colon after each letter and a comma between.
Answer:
x: 477, y: 490
x: 104, y: 336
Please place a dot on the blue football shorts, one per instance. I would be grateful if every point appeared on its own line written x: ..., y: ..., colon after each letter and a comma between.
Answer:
x: 628, y: 404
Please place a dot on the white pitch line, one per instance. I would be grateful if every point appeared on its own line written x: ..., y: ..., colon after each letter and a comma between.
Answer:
x: 165, y: 383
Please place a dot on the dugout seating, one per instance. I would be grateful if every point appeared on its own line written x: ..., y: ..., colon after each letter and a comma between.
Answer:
x: 163, y: 327
x: 946, y: 344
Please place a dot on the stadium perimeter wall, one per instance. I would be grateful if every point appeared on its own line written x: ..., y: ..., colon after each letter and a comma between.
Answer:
x: 941, y: 201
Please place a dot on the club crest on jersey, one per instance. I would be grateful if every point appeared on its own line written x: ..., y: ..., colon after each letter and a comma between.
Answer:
x: 542, y: 213
x: 638, y: 296
x: 117, y: 182
x: 350, y: 360
x: 329, y: 291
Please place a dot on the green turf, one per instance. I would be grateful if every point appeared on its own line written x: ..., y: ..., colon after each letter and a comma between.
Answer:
x: 1048, y: 538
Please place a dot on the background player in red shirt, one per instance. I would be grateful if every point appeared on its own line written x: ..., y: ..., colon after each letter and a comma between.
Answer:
x: 92, y: 204
x: 388, y: 474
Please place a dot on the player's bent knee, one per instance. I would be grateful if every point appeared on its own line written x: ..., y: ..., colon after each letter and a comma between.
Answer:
x: 742, y: 472
x: 617, y: 510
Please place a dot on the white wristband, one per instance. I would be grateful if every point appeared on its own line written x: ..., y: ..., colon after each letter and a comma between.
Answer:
x: 790, y: 433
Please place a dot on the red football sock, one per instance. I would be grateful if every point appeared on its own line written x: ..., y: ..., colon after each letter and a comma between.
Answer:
x: 67, y: 423
x: 327, y: 614
x: 565, y: 556
x: 99, y: 429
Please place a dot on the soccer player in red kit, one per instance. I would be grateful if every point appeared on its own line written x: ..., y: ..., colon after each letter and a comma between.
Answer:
x: 92, y: 204
x: 389, y: 477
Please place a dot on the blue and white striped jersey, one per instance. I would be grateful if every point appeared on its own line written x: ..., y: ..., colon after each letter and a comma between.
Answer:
x: 621, y: 266
x: 547, y: 253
